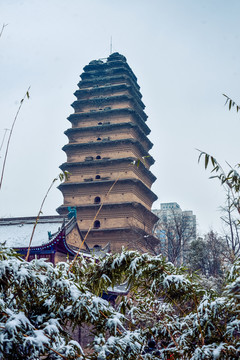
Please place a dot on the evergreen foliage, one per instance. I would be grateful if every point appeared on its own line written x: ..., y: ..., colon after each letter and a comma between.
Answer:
x: 167, y: 314
x: 207, y: 255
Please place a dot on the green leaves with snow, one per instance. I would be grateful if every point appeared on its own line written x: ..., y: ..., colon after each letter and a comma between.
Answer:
x: 164, y: 303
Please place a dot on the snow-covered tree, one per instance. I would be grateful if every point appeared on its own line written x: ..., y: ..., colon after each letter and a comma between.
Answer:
x: 166, y: 308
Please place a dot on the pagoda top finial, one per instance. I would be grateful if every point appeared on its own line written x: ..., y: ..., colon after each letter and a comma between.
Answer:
x: 116, y: 56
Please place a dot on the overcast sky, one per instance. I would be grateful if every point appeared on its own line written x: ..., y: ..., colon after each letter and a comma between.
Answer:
x: 184, y: 53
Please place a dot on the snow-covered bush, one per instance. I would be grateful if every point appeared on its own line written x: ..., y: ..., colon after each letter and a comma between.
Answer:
x: 165, y: 304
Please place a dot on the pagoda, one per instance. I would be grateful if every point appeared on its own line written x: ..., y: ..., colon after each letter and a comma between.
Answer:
x: 108, y: 158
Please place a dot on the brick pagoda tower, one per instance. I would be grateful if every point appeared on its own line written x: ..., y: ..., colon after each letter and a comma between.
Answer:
x: 108, y: 133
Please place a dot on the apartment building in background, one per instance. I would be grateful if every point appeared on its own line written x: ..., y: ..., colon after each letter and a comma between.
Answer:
x: 175, y: 229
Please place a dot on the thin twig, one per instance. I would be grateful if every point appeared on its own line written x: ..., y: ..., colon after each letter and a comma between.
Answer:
x: 61, y: 177
x: 56, y: 352
x: 169, y: 332
x: 5, y: 132
x: 38, y: 216
x: 49, y: 348
x: 198, y: 317
x: 91, y: 225
x: 175, y: 303
x: 10, y: 135
x: 3, y: 27
x: 171, y: 336
x: 137, y: 162
x: 106, y: 317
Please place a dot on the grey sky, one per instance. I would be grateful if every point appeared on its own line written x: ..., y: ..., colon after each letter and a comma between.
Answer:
x: 185, y: 54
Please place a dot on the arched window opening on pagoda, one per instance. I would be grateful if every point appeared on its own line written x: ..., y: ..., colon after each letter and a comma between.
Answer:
x: 97, y: 177
x: 97, y: 200
x: 96, y: 224
x: 100, y: 123
x: 98, y: 139
x: 98, y: 157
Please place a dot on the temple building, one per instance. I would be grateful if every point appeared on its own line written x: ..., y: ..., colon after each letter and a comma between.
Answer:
x: 52, y: 238
x: 108, y: 159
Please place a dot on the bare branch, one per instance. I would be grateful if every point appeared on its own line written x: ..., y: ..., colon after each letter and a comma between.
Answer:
x: 3, y: 27
x: 175, y: 232
x: 10, y: 135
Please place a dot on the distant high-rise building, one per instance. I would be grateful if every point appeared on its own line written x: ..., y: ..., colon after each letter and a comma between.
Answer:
x: 175, y: 229
x: 108, y: 135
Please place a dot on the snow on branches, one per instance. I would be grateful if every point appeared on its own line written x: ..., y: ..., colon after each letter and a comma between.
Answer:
x: 166, y: 307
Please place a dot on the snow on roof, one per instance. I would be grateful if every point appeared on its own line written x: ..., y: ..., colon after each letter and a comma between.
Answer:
x: 119, y: 289
x: 16, y: 232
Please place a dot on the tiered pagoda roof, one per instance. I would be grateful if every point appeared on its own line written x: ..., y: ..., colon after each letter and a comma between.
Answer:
x: 108, y: 135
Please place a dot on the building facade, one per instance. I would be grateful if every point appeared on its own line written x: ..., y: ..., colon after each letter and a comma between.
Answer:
x: 175, y: 229
x: 108, y: 158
